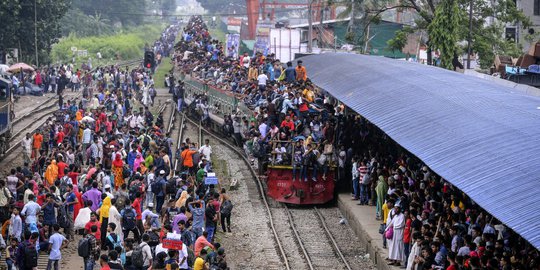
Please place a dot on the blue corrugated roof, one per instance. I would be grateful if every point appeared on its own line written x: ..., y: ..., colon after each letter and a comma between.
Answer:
x: 482, y: 137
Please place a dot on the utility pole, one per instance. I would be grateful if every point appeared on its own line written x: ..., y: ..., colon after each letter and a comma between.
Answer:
x: 35, y: 33
x: 310, y: 28
x: 470, y: 35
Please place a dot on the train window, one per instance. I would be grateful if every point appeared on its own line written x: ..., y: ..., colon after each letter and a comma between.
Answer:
x: 3, y: 93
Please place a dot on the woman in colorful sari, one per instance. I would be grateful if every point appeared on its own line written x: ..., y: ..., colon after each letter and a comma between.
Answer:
x: 118, y: 170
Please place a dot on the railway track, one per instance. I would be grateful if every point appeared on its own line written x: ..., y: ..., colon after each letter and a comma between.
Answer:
x: 309, y: 228
x: 268, y: 252
x: 33, y: 120
x: 297, y: 233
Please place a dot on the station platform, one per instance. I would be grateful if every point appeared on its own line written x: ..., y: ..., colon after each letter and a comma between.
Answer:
x: 362, y: 220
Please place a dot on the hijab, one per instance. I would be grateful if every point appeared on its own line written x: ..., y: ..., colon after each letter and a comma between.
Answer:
x: 118, y: 161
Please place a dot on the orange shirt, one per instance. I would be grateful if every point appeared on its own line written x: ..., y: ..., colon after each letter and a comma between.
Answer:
x: 38, y: 140
x: 301, y: 73
x: 187, y: 156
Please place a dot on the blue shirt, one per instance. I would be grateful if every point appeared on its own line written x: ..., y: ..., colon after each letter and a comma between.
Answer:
x: 198, y: 215
x: 49, y: 216
x: 70, y: 198
x: 290, y: 74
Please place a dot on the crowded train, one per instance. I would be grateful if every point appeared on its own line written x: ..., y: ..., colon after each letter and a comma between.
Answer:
x: 426, y: 223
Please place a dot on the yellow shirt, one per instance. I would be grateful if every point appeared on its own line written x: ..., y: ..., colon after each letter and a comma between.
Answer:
x: 308, y: 95
x: 199, y: 264
x: 385, y: 212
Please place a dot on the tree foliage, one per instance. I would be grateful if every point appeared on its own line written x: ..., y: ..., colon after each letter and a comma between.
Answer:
x: 400, y: 39
x: 17, y: 29
x: 444, y: 29
x: 489, y: 21
x: 125, y: 12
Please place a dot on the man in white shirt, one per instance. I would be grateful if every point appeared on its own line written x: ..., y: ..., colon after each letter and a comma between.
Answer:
x: 30, y: 210
x: 262, y: 78
x: 206, y: 150
x: 27, y: 148
x: 57, y: 242
x: 147, y: 251
x: 140, y: 121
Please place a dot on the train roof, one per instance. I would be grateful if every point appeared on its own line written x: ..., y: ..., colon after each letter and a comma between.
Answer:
x: 482, y: 137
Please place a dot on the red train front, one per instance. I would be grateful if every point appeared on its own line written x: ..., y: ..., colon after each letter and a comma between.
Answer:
x: 312, y: 184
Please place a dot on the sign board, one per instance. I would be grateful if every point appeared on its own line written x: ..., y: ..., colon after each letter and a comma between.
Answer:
x: 233, y: 43
x: 211, y: 179
x: 82, y: 53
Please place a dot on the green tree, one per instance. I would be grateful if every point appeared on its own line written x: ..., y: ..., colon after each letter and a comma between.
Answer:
x: 443, y: 31
x: 18, y: 24
x: 489, y: 20
x: 400, y: 39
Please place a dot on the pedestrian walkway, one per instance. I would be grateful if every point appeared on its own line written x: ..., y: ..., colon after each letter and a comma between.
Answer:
x: 362, y: 219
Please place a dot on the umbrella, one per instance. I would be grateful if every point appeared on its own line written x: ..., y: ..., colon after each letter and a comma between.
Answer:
x: 87, y: 119
x: 17, y: 67
x: 4, y: 68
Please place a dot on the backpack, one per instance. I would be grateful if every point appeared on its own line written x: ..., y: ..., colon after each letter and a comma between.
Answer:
x: 137, y: 256
x: 157, y: 186
x: 129, y: 221
x: 191, y: 257
x: 133, y: 189
x: 171, y: 186
x: 146, y: 142
x: 83, y: 248
x: 257, y: 149
x: 30, y: 255
x: 227, y: 207
x: 126, y: 172
x: 64, y: 184
x: 154, y: 238
x: 62, y: 218
x: 116, y: 243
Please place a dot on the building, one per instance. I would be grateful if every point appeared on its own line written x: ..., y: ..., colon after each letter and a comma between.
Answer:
x: 531, y: 9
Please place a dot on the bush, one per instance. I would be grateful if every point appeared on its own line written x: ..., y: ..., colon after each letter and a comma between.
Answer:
x: 122, y: 46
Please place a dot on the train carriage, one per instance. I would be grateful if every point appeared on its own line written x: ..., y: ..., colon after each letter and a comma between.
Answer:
x: 6, y: 108
x: 279, y: 180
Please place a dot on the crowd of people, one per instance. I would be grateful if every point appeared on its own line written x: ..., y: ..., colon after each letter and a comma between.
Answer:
x: 100, y: 177
x: 426, y: 223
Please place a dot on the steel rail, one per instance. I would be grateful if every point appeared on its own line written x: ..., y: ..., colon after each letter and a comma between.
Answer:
x: 259, y: 188
x: 298, y: 238
x: 332, y: 239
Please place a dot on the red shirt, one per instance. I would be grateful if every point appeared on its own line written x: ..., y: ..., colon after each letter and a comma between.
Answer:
x: 407, y: 231
x: 137, y: 206
x: 90, y: 224
x: 60, y: 137
x: 106, y: 267
x: 289, y: 124
x: 73, y: 176
x: 451, y: 267
x: 61, y: 167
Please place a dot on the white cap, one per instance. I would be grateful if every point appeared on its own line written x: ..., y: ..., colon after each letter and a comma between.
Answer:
x: 162, y: 172
x: 150, y: 205
x: 107, y: 186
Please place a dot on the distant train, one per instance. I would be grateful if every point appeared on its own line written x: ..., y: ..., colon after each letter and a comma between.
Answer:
x: 6, y: 115
x: 279, y: 181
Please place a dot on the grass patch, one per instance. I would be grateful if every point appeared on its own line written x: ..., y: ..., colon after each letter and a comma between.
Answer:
x: 125, y: 45
x: 162, y: 70
x: 219, y: 31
